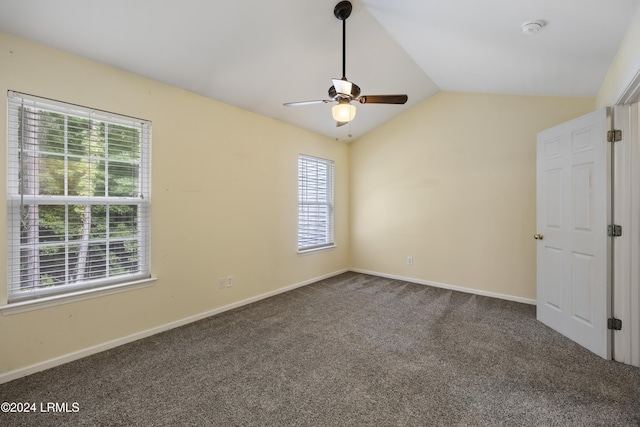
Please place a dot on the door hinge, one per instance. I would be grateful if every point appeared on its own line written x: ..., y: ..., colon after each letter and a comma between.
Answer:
x: 614, y: 135
x: 615, y: 324
x: 614, y: 230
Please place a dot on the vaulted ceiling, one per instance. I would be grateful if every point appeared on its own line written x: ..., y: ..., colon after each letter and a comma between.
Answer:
x: 259, y: 54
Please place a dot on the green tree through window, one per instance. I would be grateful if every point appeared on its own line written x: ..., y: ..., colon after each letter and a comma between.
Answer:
x: 80, y: 186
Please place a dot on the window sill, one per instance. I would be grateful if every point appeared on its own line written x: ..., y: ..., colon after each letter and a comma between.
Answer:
x: 52, y: 301
x: 310, y: 251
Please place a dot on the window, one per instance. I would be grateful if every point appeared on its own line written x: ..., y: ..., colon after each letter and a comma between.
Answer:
x: 315, y: 203
x: 78, y: 198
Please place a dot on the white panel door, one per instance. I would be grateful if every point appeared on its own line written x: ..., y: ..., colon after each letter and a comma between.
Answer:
x: 573, y: 211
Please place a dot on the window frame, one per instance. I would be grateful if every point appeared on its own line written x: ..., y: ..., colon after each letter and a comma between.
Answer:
x: 329, y: 202
x: 142, y: 220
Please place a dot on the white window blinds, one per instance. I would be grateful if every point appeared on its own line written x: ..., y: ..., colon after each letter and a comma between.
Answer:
x: 315, y: 203
x: 78, y: 198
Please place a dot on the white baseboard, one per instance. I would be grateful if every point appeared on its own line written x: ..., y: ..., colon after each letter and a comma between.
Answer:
x: 61, y: 360
x: 445, y: 286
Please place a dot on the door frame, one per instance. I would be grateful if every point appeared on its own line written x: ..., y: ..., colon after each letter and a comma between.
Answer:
x: 626, y: 212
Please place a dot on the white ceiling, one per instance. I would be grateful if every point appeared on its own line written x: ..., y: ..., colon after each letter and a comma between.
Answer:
x: 258, y: 54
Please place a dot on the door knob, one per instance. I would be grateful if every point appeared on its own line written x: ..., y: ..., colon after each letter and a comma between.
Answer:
x: 538, y: 236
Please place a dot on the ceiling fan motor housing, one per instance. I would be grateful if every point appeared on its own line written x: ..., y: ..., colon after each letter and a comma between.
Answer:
x: 355, y: 92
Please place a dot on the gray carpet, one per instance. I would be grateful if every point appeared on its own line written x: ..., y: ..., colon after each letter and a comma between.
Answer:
x: 347, y: 351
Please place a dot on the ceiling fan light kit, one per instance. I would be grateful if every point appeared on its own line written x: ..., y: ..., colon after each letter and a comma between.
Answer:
x: 343, y: 91
x: 343, y: 112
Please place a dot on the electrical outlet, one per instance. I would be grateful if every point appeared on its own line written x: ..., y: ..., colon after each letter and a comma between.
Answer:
x: 221, y: 283
x: 409, y: 260
x: 229, y: 281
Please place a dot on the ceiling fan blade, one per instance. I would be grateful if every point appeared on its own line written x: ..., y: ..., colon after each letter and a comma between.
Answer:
x: 383, y: 99
x: 295, y: 104
x: 338, y: 124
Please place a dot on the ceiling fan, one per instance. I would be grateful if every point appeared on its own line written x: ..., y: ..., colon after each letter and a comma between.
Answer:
x: 343, y: 91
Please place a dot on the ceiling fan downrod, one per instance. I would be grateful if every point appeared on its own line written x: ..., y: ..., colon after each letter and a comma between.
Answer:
x: 342, y: 11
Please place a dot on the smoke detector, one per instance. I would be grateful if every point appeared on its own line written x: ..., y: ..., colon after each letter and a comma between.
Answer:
x: 532, y: 27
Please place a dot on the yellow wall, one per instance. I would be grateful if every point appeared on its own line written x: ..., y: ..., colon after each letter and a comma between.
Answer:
x: 452, y: 184
x: 224, y: 201
x: 625, y: 66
